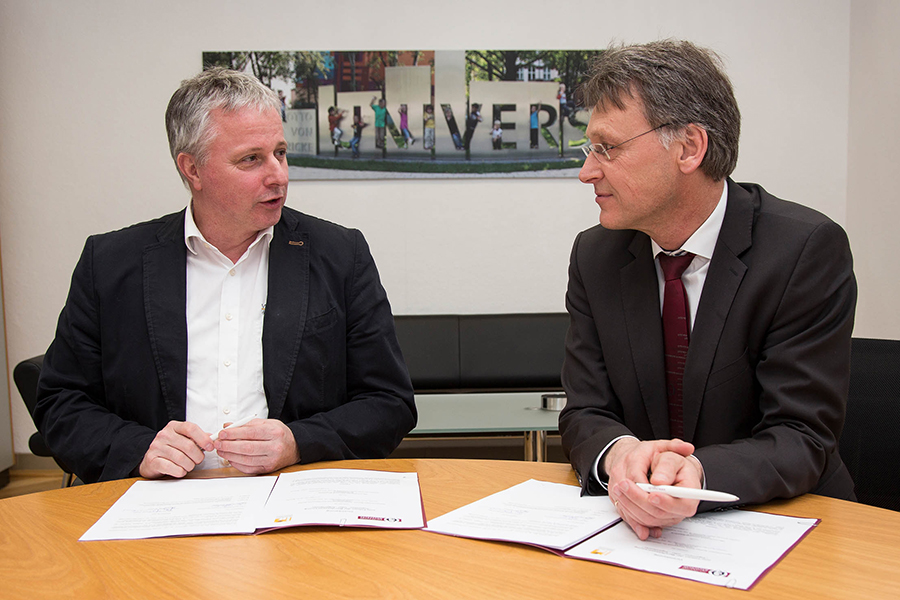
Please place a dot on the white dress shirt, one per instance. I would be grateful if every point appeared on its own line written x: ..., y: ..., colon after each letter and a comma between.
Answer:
x: 225, y: 306
x: 702, y: 244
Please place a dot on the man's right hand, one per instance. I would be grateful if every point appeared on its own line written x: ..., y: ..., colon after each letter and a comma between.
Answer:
x: 175, y: 450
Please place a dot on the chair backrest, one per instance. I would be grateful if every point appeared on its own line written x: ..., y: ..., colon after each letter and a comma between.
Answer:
x: 870, y: 442
x: 26, y: 375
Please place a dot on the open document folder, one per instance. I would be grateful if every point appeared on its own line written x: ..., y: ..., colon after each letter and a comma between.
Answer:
x: 732, y: 549
x: 338, y: 497
x: 553, y: 516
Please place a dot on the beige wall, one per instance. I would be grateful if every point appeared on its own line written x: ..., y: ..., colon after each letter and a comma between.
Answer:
x: 83, y: 88
x: 873, y: 206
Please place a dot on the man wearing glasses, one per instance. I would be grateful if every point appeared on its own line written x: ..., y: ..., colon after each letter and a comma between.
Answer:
x: 709, y: 343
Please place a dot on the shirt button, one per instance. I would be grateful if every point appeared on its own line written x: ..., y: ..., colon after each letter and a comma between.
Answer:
x: 228, y: 317
x: 232, y: 273
x: 227, y: 411
x: 227, y: 363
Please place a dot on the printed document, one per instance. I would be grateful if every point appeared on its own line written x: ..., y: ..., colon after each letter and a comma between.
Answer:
x: 345, y: 497
x: 731, y: 549
x: 553, y: 516
x: 184, y: 507
x: 243, y: 505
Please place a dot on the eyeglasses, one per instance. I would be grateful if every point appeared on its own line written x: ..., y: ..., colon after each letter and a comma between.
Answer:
x: 598, y: 149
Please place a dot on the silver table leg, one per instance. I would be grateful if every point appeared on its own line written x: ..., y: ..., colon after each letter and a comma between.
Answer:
x: 536, y: 446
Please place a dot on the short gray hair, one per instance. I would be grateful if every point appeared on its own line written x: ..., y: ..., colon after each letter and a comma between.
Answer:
x: 679, y: 84
x: 187, y: 116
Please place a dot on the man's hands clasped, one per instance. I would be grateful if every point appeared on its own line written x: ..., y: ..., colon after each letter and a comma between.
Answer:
x: 660, y: 462
x: 260, y: 446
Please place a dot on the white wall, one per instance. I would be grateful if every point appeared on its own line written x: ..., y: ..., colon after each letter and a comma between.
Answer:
x: 83, y: 88
x: 874, y: 152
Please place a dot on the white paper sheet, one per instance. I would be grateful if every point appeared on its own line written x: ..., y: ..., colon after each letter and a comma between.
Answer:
x: 551, y: 515
x: 242, y: 505
x: 345, y: 497
x: 184, y: 507
x: 730, y: 549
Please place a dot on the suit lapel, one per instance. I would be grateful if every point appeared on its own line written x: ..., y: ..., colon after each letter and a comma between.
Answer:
x: 726, y: 271
x: 165, y: 285
x: 640, y: 295
x: 286, y: 306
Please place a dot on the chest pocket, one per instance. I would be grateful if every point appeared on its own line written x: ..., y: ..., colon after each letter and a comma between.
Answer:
x: 732, y: 370
x: 320, y: 323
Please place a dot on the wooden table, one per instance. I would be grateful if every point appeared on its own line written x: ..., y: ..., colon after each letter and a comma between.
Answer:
x: 853, y: 553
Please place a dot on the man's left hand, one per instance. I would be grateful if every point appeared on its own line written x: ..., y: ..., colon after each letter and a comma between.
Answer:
x: 260, y: 446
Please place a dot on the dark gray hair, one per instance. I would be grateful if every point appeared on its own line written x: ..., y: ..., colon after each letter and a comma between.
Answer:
x: 187, y: 116
x: 678, y: 83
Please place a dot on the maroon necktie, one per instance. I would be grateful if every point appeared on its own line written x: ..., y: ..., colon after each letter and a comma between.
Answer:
x: 676, y: 335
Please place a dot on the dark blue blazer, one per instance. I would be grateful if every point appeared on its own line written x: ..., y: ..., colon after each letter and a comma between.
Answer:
x: 117, y: 371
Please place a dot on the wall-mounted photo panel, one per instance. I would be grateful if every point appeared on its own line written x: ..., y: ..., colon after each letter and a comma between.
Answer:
x: 426, y: 113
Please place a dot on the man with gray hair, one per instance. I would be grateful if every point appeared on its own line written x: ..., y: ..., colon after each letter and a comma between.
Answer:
x: 709, y: 342
x: 236, y: 310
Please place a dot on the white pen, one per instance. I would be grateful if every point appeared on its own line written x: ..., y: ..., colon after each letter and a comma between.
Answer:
x: 237, y: 423
x: 688, y: 493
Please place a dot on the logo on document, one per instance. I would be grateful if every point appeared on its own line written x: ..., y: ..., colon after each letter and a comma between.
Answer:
x: 713, y: 572
x: 601, y: 551
x: 286, y: 519
x: 386, y: 519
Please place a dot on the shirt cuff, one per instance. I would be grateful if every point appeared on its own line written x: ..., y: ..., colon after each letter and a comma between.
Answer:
x: 702, y: 472
x: 595, y: 472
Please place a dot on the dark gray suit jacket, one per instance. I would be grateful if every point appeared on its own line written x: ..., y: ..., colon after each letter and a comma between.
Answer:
x: 117, y: 371
x: 767, y: 371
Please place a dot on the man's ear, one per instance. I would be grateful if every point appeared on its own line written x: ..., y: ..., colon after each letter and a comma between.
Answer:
x: 694, y: 144
x: 188, y: 167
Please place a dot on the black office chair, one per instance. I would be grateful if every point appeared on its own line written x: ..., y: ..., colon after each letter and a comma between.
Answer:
x: 26, y: 376
x: 870, y: 442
